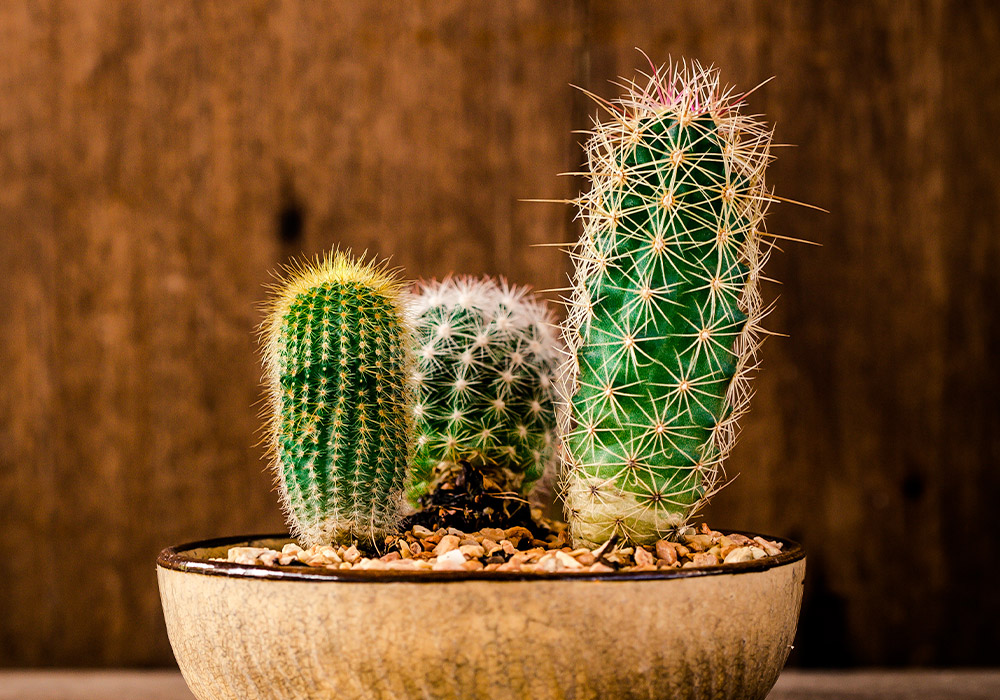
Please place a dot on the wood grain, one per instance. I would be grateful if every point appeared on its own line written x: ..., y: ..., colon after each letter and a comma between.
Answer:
x: 159, y: 160
x: 792, y: 685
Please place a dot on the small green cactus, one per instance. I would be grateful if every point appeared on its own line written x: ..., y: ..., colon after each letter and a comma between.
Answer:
x: 664, y: 317
x: 336, y: 356
x: 485, y: 357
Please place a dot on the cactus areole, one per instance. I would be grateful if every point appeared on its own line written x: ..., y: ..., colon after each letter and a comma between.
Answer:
x: 336, y: 349
x: 663, y: 321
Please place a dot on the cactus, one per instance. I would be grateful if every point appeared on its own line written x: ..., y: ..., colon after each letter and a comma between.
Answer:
x: 336, y: 357
x: 485, y: 358
x: 664, y: 316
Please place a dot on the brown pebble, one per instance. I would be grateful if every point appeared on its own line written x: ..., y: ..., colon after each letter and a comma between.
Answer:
x: 698, y: 543
x: 490, y: 546
x: 508, y: 547
x: 666, y: 552
x: 518, y: 534
x: 532, y: 556
x: 599, y: 568
x: 772, y: 548
x: 559, y: 540
x: 420, y: 531
x: 643, y: 557
x: 585, y: 558
x: 391, y: 556
x: 447, y: 544
x: 352, y: 555
x: 493, y: 533
x: 704, y: 559
x: 518, y: 559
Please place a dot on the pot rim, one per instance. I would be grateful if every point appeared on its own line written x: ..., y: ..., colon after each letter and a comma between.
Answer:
x: 174, y: 558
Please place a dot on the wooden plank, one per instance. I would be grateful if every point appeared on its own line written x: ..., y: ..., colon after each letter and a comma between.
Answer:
x: 93, y: 685
x: 29, y: 410
x: 159, y: 161
x: 887, y: 685
x: 793, y: 685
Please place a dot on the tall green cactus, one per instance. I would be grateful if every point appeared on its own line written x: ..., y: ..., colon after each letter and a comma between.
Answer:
x: 663, y: 322
x: 485, y: 358
x: 336, y: 355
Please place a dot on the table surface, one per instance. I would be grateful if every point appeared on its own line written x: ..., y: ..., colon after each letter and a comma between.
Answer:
x: 793, y: 685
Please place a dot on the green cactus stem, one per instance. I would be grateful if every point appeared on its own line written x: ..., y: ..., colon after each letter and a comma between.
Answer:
x: 664, y: 317
x: 485, y: 361
x: 336, y: 357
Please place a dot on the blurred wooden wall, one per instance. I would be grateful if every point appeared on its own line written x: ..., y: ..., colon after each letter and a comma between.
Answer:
x: 159, y: 159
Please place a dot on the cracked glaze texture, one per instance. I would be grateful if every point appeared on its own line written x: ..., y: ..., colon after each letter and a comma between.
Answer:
x: 238, y: 635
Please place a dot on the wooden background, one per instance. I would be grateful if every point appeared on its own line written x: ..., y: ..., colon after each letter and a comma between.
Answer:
x: 159, y: 159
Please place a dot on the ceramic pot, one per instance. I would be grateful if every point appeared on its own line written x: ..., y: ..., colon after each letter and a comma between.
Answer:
x: 242, y: 632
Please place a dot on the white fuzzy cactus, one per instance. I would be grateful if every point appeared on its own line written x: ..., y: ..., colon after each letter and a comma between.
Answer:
x: 485, y: 358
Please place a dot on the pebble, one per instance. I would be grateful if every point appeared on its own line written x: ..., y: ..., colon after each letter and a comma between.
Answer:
x: 770, y: 548
x: 452, y: 560
x: 473, y: 551
x: 246, y: 555
x: 642, y: 557
x: 568, y: 562
x: 420, y: 531
x: 493, y: 533
x: 737, y: 555
x: 704, y: 559
x: 515, y: 549
x: 665, y: 552
x: 518, y: 534
x: 447, y: 544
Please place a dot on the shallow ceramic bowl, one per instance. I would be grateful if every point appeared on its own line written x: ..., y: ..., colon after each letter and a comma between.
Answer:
x: 244, y: 632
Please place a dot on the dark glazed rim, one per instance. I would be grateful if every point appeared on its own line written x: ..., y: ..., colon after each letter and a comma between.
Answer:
x: 175, y: 558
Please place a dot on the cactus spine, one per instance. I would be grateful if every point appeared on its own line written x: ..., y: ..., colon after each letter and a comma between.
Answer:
x: 664, y: 315
x: 485, y: 358
x: 336, y: 349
